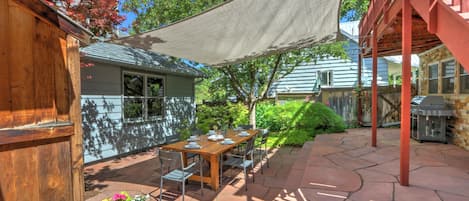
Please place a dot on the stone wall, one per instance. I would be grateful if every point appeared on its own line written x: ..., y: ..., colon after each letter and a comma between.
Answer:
x: 458, y: 101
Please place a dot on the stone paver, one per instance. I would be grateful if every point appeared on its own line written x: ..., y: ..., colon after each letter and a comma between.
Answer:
x: 331, y: 179
x: 412, y: 193
x: 333, y: 167
x: 374, y: 191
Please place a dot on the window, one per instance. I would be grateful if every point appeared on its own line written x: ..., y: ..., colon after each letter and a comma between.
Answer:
x: 448, y: 69
x: 463, y: 80
x: 433, y: 78
x: 325, y: 78
x: 143, y: 97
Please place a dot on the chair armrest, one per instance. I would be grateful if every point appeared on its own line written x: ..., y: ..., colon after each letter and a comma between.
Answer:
x: 189, y: 166
x: 235, y: 156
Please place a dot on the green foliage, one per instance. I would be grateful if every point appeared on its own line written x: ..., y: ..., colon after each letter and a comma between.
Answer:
x: 152, y: 14
x: 296, y: 122
x: 296, y: 137
x: 318, y: 118
x: 353, y: 9
x: 398, y: 79
x: 289, y: 138
x: 211, y: 87
x: 184, y: 130
x: 221, y: 116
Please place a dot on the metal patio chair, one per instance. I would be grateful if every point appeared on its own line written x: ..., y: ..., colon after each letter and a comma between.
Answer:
x: 263, y: 148
x: 241, y: 161
x: 173, y: 163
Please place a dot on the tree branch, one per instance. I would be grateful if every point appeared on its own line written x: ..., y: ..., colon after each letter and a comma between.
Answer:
x: 233, y: 82
x: 272, y: 76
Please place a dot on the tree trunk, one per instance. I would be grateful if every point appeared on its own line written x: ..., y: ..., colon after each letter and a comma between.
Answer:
x: 252, y: 114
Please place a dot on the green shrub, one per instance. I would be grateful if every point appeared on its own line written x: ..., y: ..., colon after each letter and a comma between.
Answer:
x: 318, y: 118
x: 297, y: 137
x: 311, y: 117
x: 296, y: 122
x: 229, y: 115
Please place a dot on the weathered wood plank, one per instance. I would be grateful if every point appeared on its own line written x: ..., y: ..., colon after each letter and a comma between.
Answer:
x: 62, y: 83
x: 25, y: 165
x: 76, y: 140
x: 7, y: 189
x: 54, y: 171
x: 44, y: 72
x: 21, y: 65
x: 5, y: 101
x: 10, y: 136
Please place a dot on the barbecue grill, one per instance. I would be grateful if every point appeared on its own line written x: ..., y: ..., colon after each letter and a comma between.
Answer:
x: 428, y: 117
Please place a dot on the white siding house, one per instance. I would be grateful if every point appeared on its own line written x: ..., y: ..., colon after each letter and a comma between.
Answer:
x: 335, y: 72
x: 132, y: 100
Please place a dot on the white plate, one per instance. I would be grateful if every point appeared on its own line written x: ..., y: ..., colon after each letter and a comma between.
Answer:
x: 189, y: 146
x: 243, y: 134
x: 216, y: 137
x: 227, y: 142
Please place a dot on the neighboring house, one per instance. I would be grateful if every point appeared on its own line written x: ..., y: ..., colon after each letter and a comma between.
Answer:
x: 395, y: 68
x: 309, y: 78
x: 442, y: 75
x: 133, y: 99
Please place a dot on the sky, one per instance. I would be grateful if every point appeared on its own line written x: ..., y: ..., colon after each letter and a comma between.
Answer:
x: 130, y: 17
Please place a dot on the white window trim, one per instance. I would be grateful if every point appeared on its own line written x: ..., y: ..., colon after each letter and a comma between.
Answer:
x: 437, y: 63
x: 330, y: 77
x: 461, y: 74
x: 448, y: 76
x: 144, y: 97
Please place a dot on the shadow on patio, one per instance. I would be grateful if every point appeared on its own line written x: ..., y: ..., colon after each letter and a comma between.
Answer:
x: 333, y: 167
x: 139, y: 174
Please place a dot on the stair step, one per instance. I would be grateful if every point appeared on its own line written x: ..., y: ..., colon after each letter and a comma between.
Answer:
x: 448, y: 2
x: 456, y: 8
x: 465, y: 15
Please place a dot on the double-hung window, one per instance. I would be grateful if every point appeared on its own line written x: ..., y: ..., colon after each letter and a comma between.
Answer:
x: 448, y: 70
x: 143, y: 97
x: 325, y: 77
x: 433, y: 78
x: 463, y: 80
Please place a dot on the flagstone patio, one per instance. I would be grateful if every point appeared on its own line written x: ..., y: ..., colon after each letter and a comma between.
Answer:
x: 333, y: 167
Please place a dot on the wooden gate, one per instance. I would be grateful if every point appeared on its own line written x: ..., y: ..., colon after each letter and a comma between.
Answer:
x: 344, y: 101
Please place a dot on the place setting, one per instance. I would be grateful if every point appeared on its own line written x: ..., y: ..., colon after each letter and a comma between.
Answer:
x: 192, y: 145
x: 227, y: 141
x: 213, y: 136
x: 193, y: 138
x: 243, y: 134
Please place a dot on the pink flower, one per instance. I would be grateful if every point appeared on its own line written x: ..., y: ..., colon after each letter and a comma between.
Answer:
x: 119, y: 197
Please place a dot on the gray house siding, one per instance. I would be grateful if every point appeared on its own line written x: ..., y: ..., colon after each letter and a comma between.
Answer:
x: 106, y: 134
x: 345, y: 73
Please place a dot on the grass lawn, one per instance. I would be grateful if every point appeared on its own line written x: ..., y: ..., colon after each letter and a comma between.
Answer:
x: 292, y: 138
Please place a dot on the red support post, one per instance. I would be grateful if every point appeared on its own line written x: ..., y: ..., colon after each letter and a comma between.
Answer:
x: 359, y: 85
x: 374, y: 89
x: 405, y: 90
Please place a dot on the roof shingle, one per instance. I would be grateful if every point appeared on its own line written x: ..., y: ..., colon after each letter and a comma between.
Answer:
x: 112, y: 53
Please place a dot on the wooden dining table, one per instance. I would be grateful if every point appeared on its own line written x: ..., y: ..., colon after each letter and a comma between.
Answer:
x: 211, y: 152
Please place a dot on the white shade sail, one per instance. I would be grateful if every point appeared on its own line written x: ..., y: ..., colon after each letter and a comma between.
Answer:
x: 239, y: 30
